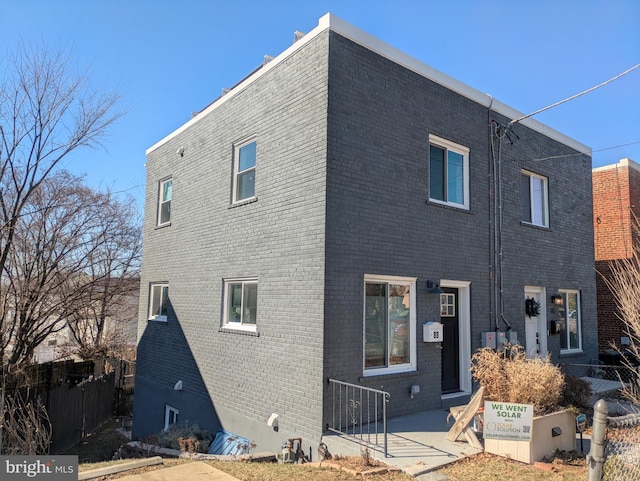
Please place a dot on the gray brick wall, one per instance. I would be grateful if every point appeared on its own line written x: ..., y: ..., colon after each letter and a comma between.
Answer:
x: 342, y: 188
x: 380, y: 118
x: 279, y: 239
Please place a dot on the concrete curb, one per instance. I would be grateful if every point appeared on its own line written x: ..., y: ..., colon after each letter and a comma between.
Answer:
x: 117, y: 468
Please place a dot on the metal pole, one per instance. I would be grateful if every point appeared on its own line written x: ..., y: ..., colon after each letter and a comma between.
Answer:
x: 596, y: 457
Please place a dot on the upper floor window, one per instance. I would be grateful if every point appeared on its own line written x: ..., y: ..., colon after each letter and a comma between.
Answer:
x: 244, y: 170
x: 158, y: 301
x: 448, y: 173
x: 241, y: 301
x: 571, y: 326
x: 164, y: 202
x: 534, y: 198
x: 389, y: 325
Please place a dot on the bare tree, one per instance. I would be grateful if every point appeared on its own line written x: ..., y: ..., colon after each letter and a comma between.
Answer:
x: 26, y: 429
x: 74, y: 261
x: 624, y: 283
x: 103, y: 314
x: 47, y: 111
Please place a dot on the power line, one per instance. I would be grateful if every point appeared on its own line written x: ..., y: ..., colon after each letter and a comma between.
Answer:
x: 575, y: 96
x: 579, y: 153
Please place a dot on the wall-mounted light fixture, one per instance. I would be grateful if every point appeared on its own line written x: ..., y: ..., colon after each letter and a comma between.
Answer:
x: 414, y: 389
x: 434, y: 288
x: 557, y: 300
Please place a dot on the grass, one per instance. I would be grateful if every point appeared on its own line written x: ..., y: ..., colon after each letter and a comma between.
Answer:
x: 100, y: 445
x: 98, y: 449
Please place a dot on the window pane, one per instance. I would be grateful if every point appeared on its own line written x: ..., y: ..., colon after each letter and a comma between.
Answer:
x: 525, y: 197
x: 167, y: 189
x: 156, y: 293
x: 436, y: 173
x: 164, y: 305
x: 399, y: 315
x: 246, y: 185
x: 247, y: 157
x: 573, y: 320
x: 235, y: 302
x: 165, y: 212
x: 250, y: 303
x: 375, y: 325
x: 538, y: 201
x: 455, y: 177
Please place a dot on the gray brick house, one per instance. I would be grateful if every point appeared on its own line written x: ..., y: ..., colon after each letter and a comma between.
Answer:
x: 305, y: 226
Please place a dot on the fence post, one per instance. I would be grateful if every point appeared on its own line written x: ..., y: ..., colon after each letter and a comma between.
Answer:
x: 596, y: 458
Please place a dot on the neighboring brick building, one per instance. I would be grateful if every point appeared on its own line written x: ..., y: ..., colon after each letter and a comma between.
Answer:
x: 295, y: 231
x: 616, y: 201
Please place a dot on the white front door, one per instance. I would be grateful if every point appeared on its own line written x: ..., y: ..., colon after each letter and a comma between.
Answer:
x: 535, y: 322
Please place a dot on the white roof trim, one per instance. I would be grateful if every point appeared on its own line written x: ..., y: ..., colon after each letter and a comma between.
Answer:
x: 330, y: 21
x: 622, y: 163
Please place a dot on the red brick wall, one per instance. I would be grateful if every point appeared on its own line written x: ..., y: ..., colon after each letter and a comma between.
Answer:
x: 616, y: 201
x: 611, y: 212
x: 609, y: 324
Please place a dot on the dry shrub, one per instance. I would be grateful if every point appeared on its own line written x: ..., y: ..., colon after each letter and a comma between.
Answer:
x: 508, y: 376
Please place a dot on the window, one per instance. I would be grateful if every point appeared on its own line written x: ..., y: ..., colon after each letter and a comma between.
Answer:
x: 533, y: 193
x: 170, y: 416
x: 447, y: 305
x: 448, y: 173
x: 241, y: 301
x: 571, y: 326
x: 158, y: 302
x: 164, y: 202
x: 389, y: 325
x: 245, y: 172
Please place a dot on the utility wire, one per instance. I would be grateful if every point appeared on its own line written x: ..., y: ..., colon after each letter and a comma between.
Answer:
x: 575, y: 96
x: 579, y: 153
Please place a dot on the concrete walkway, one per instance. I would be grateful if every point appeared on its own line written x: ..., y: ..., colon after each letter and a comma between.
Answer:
x: 195, y: 471
x: 416, y: 443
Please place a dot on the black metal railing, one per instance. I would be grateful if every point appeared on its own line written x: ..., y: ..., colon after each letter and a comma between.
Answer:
x: 360, y: 412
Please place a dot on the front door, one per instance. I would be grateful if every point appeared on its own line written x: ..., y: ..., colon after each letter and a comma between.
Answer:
x: 449, y: 318
x: 534, y: 323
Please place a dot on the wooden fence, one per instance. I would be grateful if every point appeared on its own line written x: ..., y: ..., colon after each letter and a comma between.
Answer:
x: 76, y: 410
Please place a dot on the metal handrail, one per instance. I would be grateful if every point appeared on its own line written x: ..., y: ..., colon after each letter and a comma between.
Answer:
x: 357, y: 411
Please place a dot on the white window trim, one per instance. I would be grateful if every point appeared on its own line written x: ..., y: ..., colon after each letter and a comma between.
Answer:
x: 236, y: 172
x: 161, y: 184
x: 408, y: 367
x: 167, y: 414
x: 225, y: 320
x: 545, y: 186
x: 564, y: 293
x: 150, y: 310
x: 462, y: 150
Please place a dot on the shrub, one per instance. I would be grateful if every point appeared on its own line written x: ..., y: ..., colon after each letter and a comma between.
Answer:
x: 576, y: 392
x: 508, y: 376
x: 185, y: 436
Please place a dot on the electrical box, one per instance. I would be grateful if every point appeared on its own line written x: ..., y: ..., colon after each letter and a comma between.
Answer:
x: 489, y: 339
x: 432, y: 332
x: 501, y: 338
x: 512, y: 337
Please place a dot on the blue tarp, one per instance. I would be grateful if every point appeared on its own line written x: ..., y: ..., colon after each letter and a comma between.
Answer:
x: 229, y: 443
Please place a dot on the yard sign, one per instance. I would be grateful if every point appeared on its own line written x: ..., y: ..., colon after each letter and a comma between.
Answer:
x: 507, y: 421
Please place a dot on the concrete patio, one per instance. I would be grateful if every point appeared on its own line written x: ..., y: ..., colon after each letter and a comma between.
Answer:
x: 416, y: 443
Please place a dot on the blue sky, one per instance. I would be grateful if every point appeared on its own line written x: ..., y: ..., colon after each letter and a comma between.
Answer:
x: 168, y: 58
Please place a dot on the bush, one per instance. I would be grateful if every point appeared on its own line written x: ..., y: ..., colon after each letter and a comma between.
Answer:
x: 508, y: 376
x: 186, y: 437
x: 576, y: 392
